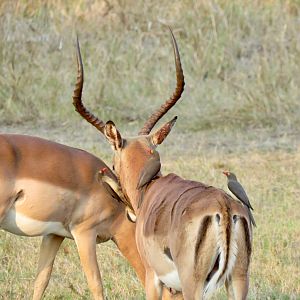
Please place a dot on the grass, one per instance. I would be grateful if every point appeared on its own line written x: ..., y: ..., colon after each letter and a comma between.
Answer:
x: 241, y: 60
x: 240, y: 111
x: 274, y: 188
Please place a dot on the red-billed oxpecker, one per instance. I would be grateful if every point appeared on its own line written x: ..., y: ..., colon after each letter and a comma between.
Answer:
x: 237, y: 189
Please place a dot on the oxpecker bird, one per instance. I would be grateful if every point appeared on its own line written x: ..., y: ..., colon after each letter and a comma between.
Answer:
x: 237, y: 189
x: 150, y: 170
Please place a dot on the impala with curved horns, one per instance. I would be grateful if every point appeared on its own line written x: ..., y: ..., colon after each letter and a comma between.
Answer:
x: 191, y: 237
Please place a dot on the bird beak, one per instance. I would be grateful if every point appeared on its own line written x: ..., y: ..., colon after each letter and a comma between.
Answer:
x: 226, y: 173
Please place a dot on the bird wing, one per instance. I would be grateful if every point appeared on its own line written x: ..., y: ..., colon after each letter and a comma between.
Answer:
x: 236, y: 188
x: 251, y: 218
x: 151, y: 168
x: 111, y: 191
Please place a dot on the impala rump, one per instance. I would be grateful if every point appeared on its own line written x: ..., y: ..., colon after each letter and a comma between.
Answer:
x: 189, y: 217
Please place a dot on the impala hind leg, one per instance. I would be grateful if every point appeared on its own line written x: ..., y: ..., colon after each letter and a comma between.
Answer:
x: 124, y: 238
x: 237, y: 287
x: 193, y: 270
x: 237, y: 283
x: 193, y: 289
x: 49, y: 247
x: 86, y: 245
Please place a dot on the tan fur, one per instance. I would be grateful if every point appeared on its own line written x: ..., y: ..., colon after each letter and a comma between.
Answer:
x: 49, y: 183
x: 172, y: 213
x: 194, y: 221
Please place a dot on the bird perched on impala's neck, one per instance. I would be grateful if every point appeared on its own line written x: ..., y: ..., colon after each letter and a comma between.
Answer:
x: 237, y: 189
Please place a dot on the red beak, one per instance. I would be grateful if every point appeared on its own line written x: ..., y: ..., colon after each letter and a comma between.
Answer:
x: 103, y: 170
x: 226, y: 173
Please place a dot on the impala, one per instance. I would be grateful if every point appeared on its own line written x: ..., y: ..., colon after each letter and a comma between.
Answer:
x: 191, y: 237
x: 56, y: 191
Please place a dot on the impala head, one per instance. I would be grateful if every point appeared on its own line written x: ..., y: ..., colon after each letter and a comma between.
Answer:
x: 136, y: 160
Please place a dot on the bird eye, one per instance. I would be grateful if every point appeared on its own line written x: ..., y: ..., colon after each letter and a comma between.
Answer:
x: 150, y: 151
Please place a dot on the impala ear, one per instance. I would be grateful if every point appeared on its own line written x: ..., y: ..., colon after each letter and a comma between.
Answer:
x: 159, y: 136
x: 113, y: 135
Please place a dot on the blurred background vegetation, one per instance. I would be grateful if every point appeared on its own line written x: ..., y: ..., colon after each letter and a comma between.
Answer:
x: 240, y: 58
x: 240, y: 111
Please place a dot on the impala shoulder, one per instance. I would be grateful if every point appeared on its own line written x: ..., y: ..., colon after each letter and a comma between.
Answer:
x: 10, y: 154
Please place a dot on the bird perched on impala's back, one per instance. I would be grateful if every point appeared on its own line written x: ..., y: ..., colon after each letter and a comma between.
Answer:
x: 237, y: 189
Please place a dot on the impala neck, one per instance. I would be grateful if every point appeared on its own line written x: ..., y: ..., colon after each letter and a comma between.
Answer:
x: 129, y: 185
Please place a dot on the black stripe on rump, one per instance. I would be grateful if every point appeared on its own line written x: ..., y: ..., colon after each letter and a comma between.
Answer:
x: 201, y: 237
x: 168, y: 253
x: 247, y: 238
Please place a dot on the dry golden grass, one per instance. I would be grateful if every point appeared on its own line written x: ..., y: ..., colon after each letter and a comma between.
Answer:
x: 240, y: 111
x: 271, y: 178
x: 241, y: 60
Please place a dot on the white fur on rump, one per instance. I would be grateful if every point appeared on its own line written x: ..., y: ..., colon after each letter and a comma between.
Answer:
x: 213, y: 284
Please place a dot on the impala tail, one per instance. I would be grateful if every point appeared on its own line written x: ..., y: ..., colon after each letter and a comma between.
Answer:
x: 232, y: 243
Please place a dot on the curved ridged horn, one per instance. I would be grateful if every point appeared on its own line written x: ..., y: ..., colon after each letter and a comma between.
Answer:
x: 156, y: 116
x: 77, y: 102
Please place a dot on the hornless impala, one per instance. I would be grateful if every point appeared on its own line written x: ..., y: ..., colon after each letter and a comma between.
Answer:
x: 56, y: 191
x: 191, y: 237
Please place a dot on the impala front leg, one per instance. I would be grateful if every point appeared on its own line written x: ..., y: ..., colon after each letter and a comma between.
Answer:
x: 237, y: 287
x: 124, y: 237
x: 153, y: 286
x: 49, y: 247
x: 86, y: 245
